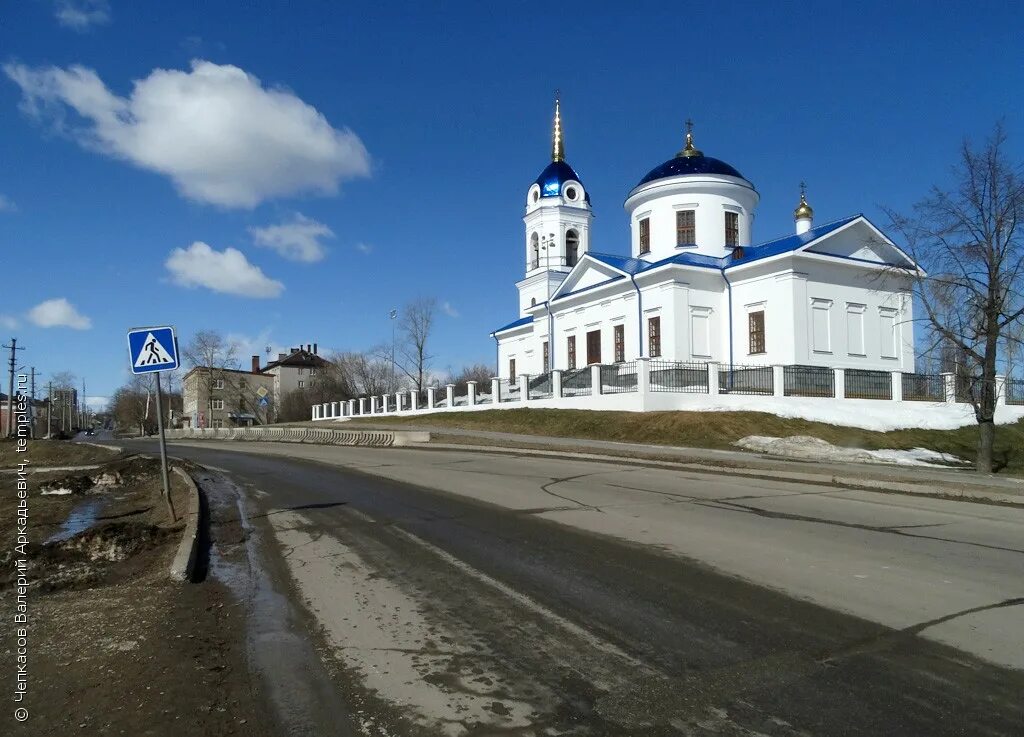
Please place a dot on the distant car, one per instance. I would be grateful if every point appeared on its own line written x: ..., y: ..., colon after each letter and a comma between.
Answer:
x: 90, y: 431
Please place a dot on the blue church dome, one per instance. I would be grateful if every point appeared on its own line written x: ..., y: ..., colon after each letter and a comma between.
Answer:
x: 681, y: 165
x: 689, y: 161
x: 554, y: 176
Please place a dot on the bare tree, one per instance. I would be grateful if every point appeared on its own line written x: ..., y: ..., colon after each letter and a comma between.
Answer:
x: 367, y: 374
x: 416, y: 326
x: 63, y: 385
x: 968, y: 239
x: 215, y: 356
x: 481, y: 373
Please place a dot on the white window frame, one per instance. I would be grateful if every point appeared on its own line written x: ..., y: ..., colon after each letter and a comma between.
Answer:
x: 822, y: 305
x: 218, y: 384
x: 703, y: 313
x: 301, y: 384
x: 892, y: 341
x: 858, y: 309
x: 217, y: 404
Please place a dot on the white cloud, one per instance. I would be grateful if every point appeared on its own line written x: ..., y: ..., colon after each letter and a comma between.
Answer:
x: 81, y: 15
x: 97, y: 404
x: 446, y: 308
x: 227, y: 271
x: 9, y: 322
x: 364, y: 248
x: 58, y: 313
x: 7, y: 204
x: 298, y: 240
x: 220, y: 136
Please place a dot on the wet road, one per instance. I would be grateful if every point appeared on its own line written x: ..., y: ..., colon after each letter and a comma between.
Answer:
x: 438, y: 613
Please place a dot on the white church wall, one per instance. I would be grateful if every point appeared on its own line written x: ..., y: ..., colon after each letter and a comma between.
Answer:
x: 863, y: 319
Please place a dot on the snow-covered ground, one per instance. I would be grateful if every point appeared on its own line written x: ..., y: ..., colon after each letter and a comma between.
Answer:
x: 815, y: 449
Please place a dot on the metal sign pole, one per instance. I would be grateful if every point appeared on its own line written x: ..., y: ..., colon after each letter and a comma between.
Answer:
x: 163, y: 447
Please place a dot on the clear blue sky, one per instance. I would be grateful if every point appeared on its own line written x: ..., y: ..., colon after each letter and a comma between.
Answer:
x: 867, y: 102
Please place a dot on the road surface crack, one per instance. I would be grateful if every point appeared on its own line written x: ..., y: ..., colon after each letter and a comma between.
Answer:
x: 769, y: 514
x: 892, y: 637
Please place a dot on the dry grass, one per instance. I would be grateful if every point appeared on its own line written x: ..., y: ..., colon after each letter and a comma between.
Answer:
x: 714, y: 430
x: 54, y: 453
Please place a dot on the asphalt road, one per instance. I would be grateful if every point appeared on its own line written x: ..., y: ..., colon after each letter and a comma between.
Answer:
x: 471, y: 593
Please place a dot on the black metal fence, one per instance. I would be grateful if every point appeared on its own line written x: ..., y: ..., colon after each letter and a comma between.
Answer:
x: 863, y: 384
x: 809, y: 381
x: 924, y: 388
x: 483, y: 393
x: 576, y: 382
x: 746, y: 380
x: 677, y: 376
x: 440, y: 396
x: 1014, y: 389
x: 619, y: 378
x: 509, y: 390
x: 539, y: 386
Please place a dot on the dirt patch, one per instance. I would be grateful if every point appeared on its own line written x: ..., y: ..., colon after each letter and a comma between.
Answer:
x: 55, y: 453
x: 115, y: 646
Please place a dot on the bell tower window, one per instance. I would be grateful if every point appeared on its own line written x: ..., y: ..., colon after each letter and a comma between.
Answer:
x: 732, y: 229
x: 534, y: 251
x: 645, y: 235
x: 572, y: 248
x: 686, y: 232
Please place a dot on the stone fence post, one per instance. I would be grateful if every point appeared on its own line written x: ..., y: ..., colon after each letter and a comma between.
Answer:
x: 596, y: 386
x: 470, y: 393
x: 450, y: 388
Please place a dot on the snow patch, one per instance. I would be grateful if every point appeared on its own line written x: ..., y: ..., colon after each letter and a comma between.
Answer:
x: 61, y: 491
x: 816, y: 449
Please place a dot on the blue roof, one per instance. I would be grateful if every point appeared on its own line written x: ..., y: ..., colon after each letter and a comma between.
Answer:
x: 634, y: 266
x: 681, y: 165
x: 786, y: 244
x: 518, y: 323
x: 554, y: 176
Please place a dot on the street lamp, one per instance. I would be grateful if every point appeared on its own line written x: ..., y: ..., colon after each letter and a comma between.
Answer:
x: 393, y: 315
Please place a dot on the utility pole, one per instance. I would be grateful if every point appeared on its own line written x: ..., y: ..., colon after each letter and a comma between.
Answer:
x: 49, y: 409
x: 10, y: 392
x: 83, y: 416
x: 32, y: 405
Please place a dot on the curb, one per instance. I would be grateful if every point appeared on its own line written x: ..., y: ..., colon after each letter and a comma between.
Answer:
x: 955, y: 493
x: 185, y: 559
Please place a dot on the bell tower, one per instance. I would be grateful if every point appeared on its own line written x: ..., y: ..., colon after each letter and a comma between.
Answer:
x: 558, y: 219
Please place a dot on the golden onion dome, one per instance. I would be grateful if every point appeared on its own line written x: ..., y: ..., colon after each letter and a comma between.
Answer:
x: 803, y: 210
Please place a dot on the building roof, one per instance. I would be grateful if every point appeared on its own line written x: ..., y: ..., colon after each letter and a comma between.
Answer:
x: 633, y: 266
x: 554, y: 176
x: 789, y: 243
x: 679, y: 166
x: 515, y: 324
x: 298, y: 359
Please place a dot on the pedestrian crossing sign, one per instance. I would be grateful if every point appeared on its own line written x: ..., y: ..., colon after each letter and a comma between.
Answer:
x: 152, y: 349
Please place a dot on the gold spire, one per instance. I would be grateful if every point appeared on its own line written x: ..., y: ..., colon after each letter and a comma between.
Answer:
x: 803, y: 210
x: 557, y: 144
x: 689, y: 149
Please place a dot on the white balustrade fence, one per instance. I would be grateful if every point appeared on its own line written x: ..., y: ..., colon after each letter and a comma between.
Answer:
x: 871, y: 399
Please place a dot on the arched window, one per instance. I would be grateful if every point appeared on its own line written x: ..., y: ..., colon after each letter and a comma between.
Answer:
x: 572, y: 248
x: 534, y: 251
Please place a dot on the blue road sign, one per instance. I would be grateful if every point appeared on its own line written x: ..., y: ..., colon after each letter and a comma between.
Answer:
x: 152, y: 349
x: 264, y: 402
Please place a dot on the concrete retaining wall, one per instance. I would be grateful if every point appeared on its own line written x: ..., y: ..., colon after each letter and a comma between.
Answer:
x: 313, y: 435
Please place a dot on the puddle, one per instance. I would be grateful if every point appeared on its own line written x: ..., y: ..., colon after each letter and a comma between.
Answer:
x: 81, y: 518
x: 303, y: 697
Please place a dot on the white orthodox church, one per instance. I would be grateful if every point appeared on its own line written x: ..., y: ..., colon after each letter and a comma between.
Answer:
x: 696, y: 285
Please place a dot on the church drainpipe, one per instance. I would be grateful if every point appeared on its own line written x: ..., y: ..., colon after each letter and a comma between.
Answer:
x: 639, y: 317
x: 497, y: 355
x: 728, y: 286
x: 551, y: 337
